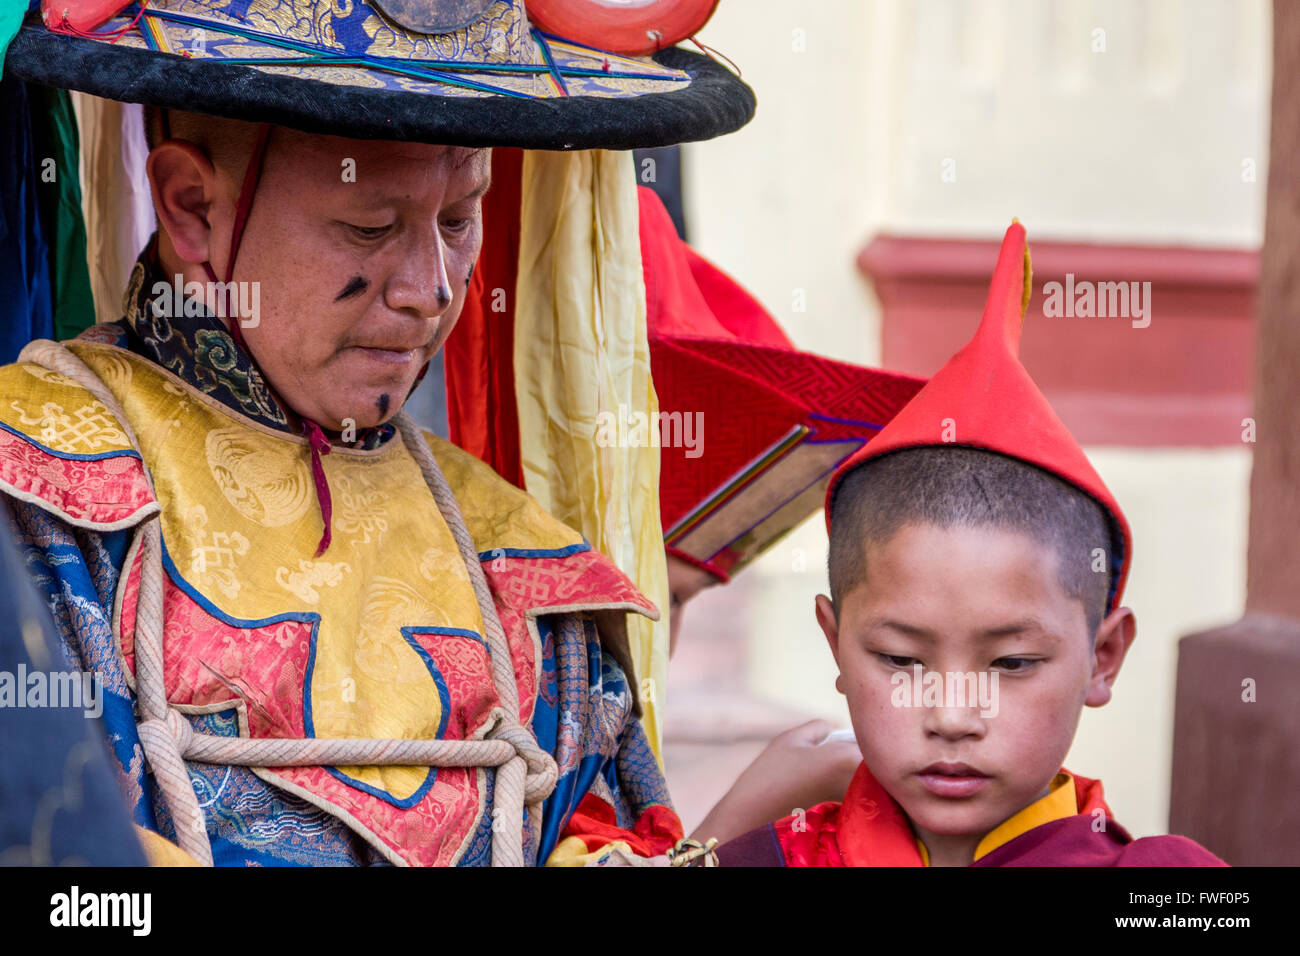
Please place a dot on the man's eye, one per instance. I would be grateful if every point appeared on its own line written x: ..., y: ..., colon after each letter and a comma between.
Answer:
x: 1014, y: 664
x: 894, y: 660
x: 369, y: 232
x: 455, y: 225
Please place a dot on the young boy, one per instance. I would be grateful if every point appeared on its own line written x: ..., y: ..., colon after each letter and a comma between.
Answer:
x: 976, y: 567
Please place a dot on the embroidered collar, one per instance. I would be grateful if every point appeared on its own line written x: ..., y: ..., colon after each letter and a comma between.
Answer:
x: 192, y: 343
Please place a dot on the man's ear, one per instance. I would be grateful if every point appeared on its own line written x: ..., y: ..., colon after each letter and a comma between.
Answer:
x: 183, y: 181
x: 829, y: 626
x: 1114, y: 638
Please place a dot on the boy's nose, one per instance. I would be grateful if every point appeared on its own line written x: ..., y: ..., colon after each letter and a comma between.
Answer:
x: 954, y: 723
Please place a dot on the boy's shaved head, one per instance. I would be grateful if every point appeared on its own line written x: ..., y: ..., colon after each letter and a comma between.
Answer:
x: 947, y: 486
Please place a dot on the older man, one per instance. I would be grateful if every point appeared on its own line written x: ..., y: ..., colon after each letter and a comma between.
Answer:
x: 324, y: 636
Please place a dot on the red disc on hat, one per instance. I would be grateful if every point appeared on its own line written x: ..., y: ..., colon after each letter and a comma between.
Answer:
x: 629, y: 27
x: 79, y: 16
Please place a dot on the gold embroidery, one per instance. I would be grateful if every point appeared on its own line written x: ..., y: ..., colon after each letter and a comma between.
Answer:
x: 214, y: 563
x: 434, y: 564
x: 311, y: 575
x: 42, y: 374
x: 265, y: 481
x: 363, y: 509
x: 87, y: 430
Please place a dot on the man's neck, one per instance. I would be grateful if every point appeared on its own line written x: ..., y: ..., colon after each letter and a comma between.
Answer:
x: 172, y: 265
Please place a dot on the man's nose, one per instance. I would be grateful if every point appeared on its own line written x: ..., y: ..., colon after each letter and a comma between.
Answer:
x: 421, y: 285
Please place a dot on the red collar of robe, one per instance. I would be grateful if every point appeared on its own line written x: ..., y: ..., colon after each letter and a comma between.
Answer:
x: 870, y: 829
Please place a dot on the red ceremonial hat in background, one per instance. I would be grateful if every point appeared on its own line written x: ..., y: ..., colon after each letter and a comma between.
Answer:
x: 984, y: 398
x: 775, y: 421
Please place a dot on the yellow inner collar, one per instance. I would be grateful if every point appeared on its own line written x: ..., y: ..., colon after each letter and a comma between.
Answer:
x: 1058, y: 803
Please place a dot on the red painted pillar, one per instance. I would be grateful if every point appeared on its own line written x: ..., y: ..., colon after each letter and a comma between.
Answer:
x: 1236, y: 768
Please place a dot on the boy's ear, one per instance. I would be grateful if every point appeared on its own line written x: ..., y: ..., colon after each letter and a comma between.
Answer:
x: 826, y: 619
x: 1114, y: 638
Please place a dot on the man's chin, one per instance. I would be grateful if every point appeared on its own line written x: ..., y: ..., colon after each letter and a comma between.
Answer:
x: 365, y: 417
x: 370, y: 403
x: 362, y: 413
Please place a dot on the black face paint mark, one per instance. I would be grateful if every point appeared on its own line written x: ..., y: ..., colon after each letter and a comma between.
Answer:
x: 471, y: 273
x: 356, y: 285
x: 444, y: 296
x: 382, y: 402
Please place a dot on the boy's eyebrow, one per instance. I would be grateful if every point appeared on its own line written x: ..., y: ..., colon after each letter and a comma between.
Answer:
x: 1019, y: 627
x: 1009, y: 629
x: 912, y: 630
x: 1014, y: 627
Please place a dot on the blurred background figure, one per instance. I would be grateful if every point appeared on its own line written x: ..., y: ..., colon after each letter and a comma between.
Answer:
x: 59, y: 802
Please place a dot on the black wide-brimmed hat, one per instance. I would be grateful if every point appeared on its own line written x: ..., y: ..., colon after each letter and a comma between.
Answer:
x: 452, y: 72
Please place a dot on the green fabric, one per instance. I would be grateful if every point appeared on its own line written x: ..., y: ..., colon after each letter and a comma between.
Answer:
x: 54, y: 136
x: 11, y: 18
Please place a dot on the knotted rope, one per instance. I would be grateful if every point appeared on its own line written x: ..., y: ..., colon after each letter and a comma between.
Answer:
x: 525, y: 774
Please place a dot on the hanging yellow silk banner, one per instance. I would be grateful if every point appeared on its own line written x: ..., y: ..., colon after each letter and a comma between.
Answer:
x: 582, y: 360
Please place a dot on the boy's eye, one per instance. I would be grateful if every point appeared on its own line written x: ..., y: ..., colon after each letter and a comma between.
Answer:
x: 894, y: 660
x: 1014, y: 664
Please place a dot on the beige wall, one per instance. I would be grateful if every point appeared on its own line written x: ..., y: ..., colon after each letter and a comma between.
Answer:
x: 1148, y: 141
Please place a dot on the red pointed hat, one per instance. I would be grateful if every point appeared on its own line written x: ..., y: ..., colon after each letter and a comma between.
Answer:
x: 767, y: 424
x: 984, y: 398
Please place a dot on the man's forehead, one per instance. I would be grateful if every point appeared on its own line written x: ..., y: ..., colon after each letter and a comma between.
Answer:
x: 334, y: 151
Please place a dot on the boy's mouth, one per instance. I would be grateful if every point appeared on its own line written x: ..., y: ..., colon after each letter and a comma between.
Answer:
x: 953, y: 780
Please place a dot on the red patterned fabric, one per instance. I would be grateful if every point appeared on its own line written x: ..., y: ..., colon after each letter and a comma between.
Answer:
x: 657, y: 830
x: 525, y: 588
x: 870, y: 829
x: 99, y: 493
x: 984, y: 398
x: 867, y: 829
